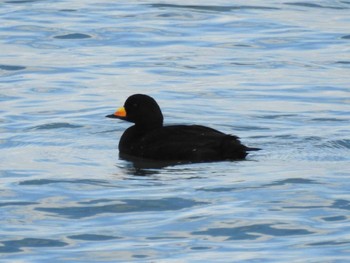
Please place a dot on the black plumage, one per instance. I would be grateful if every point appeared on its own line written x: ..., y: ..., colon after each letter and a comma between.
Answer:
x: 149, y: 139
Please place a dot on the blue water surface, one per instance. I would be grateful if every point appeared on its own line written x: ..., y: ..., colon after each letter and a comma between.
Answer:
x: 275, y: 73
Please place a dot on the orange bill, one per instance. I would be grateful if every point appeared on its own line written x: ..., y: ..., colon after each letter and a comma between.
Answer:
x: 120, y: 112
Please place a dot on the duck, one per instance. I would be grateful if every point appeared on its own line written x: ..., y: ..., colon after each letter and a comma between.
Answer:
x: 149, y: 139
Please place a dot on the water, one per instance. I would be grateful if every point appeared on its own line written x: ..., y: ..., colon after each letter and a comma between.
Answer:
x: 275, y: 73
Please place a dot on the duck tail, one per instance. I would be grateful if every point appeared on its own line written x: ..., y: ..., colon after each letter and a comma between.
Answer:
x: 232, y: 149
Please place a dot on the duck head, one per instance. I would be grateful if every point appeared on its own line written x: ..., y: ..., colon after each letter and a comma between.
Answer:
x: 140, y: 109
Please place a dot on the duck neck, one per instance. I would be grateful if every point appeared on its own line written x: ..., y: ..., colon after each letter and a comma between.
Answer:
x: 148, y: 123
x: 148, y: 126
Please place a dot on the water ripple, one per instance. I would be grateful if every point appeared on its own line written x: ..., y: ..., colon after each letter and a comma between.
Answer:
x: 92, y: 237
x: 124, y: 206
x: 11, y: 246
x: 312, y: 5
x: 2, y: 204
x: 252, y: 232
x: 214, y: 8
x: 56, y: 125
x: 52, y: 181
x: 11, y: 67
x: 73, y: 36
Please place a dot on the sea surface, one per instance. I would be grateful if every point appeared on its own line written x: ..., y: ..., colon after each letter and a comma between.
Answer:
x: 275, y: 73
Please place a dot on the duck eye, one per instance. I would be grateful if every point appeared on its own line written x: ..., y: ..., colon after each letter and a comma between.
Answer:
x: 135, y: 105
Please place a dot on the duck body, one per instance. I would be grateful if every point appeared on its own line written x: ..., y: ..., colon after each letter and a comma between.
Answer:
x: 149, y: 139
x: 191, y: 143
